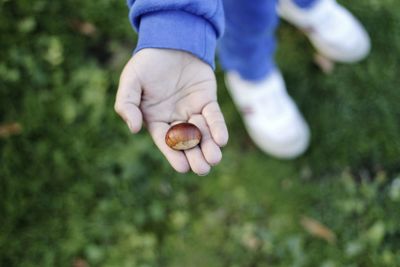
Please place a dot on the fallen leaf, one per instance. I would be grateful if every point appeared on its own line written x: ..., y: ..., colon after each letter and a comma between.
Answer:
x: 317, y: 229
x: 9, y: 129
x: 325, y: 64
x: 84, y: 27
x: 80, y: 263
x: 251, y: 242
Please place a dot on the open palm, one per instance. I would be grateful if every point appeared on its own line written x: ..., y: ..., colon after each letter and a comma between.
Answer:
x: 163, y: 87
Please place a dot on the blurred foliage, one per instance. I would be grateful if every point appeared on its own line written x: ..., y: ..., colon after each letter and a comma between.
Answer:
x: 77, y: 190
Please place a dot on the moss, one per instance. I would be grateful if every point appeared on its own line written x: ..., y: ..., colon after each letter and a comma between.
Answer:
x: 76, y: 188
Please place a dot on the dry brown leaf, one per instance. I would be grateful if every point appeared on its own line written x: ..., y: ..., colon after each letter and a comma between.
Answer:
x: 251, y: 242
x: 325, y: 64
x: 9, y: 129
x: 84, y: 27
x: 317, y: 229
x: 80, y: 263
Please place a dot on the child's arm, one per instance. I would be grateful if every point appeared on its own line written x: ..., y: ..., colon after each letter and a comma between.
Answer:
x: 175, y: 82
x: 189, y: 25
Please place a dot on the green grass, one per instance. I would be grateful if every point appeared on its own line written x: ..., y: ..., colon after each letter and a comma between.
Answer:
x: 76, y: 187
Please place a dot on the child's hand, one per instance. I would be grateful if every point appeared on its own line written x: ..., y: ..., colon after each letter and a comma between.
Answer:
x: 163, y: 87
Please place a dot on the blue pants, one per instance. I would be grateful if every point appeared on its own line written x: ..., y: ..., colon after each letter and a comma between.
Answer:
x: 248, y: 45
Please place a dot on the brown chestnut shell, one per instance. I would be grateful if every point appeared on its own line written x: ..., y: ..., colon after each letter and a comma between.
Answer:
x: 183, y: 136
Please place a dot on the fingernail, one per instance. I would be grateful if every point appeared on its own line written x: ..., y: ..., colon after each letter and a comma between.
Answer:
x: 130, y: 126
x: 202, y: 175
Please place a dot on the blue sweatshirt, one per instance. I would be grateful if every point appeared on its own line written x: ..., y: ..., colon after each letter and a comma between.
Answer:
x: 189, y: 25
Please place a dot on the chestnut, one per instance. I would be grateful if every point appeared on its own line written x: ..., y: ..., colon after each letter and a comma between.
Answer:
x: 183, y: 136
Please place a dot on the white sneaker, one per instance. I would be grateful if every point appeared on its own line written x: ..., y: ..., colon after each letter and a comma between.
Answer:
x: 271, y: 117
x: 331, y: 28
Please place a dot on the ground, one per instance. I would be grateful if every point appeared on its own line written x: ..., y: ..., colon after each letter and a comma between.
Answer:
x: 78, y: 190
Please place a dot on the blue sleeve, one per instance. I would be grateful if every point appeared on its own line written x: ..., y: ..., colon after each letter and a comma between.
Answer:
x: 189, y: 25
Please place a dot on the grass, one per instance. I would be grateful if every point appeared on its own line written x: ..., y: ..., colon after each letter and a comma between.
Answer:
x: 78, y: 190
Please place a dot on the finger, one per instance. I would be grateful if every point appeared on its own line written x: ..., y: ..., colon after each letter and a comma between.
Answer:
x: 211, y: 151
x: 177, y: 159
x: 216, y: 122
x: 128, y: 98
x: 197, y: 162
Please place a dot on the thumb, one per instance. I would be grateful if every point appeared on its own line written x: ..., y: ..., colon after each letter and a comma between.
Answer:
x: 128, y: 98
